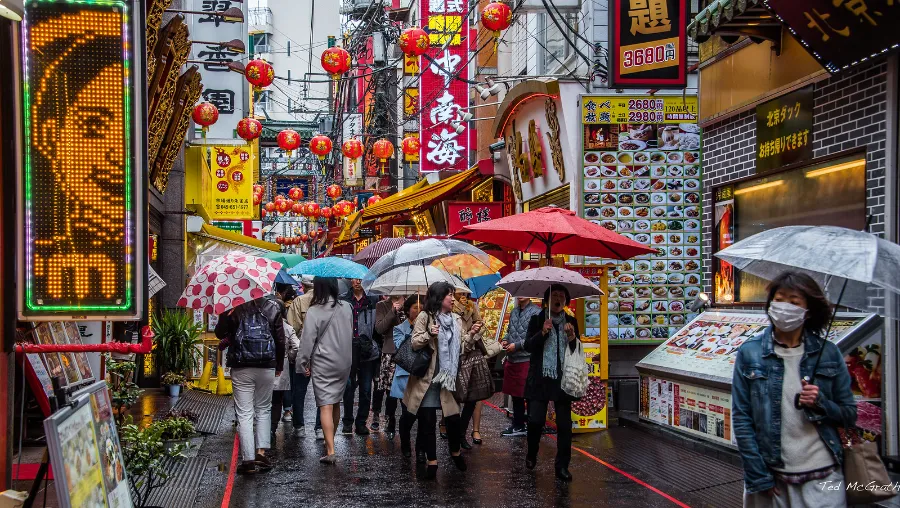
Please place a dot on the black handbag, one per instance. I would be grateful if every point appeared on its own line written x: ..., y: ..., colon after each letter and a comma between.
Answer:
x: 412, y: 361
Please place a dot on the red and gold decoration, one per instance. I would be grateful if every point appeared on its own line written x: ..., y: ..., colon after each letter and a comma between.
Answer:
x: 352, y: 149
x: 296, y: 193
x: 257, y: 194
x: 496, y: 16
x: 204, y: 115
x: 336, y: 61
x: 384, y: 150
x: 297, y: 208
x: 334, y: 190
x: 259, y: 73
x: 249, y: 129
x: 304, y: 237
x: 283, y: 206
x: 270, y: 207
x: 373, y: 200
x: 320, y: 145
x: 325, y: 212
x: 342, y: 208
x: 279, y: 240
x: 312, y: 210
x: 288, y: 140
x: 413, y: 41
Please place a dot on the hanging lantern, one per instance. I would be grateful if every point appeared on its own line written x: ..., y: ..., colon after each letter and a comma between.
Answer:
x: 312, y: 210
x: 204, y: 115
x: 411, y: 145
x: 352, y: 148
x: 257, y: 199
x: 259, y: 73
x: 320, y: 145
x: 334, y: 191
x: 325, y: 212
x: 283, y: 206
x: 304, y: 237
x: 336, y: 61
x: 249, y: 129
x: 279, y: 240
x: 496, y: 16
x: 263, y: 213
x: 413, y: 41
x: 288, y: 140
x: 313, y: 234
x: 258, y: 189
x: 384, y: 150
x: 374, y: 199
x: 270, y: 207
x: 297, y: 208
x: 279, y: 197
x: 296, y: 193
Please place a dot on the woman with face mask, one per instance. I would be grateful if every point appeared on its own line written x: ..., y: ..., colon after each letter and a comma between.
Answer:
x: 785, y: 422
x: 549, y: 334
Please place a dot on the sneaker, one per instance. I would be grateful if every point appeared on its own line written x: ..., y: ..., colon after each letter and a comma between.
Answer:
x: 376, y: 427
x: 320, y: 436
x: 514, y: 432
x: 361, y: 430
x: 347, y: 429
x: 301, y: 431
x: 263, y: 463
x: 288, y: 416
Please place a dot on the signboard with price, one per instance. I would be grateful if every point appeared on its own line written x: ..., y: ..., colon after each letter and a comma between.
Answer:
x: 648, y: 43
x: 638, y: 109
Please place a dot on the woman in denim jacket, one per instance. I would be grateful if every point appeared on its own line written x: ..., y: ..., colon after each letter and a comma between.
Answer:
x: 791, y: 455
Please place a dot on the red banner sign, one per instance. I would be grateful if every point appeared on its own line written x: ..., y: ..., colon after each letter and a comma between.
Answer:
x: 460, y: 214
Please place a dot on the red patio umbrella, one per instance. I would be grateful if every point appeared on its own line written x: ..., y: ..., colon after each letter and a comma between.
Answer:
x: 552, y: 230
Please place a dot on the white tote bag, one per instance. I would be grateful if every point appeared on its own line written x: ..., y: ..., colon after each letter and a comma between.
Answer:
x: 575, y: 372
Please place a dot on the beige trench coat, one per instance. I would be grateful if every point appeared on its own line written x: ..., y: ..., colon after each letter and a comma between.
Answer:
x: 417, y: 386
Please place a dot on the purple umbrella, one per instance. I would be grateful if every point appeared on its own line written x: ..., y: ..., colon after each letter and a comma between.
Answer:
x: 533, y: 283
x: 373, y: 252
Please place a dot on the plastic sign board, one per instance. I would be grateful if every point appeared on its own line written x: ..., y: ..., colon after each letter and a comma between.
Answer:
x: 648, y: 43
x: 83, y: 184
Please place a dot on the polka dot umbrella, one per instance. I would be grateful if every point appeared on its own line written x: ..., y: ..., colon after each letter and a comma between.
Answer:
x: 228, y: 281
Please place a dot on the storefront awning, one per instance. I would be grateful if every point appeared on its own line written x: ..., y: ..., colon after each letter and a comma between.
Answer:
x: 231, y: 237
x: 732, y: 19
x: 423, y: 198
x: 353, y: 221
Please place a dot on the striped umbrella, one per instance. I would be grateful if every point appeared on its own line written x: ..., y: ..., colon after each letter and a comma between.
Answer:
x: 372, y: 252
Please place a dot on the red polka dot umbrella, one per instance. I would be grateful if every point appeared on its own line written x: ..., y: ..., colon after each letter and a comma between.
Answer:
x: 229, y: 281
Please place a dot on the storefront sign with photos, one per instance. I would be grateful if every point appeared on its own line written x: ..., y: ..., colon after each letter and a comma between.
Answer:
x: 642, y: 179
x: 442, y: 97
x: 232, y: 182
x: 83, y: 179
x: 841, y: 33
x: 461, y: 214
x: 648, y: 43
x: 784, y: 130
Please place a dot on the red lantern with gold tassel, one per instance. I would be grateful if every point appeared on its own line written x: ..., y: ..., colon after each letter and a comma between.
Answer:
x: 336, y: 61
x: 296, y: 193
x: 312, y: 210
x: 204, y: 115
x: 297, y: 208
x: 352, y: 149
x: 413, y: 41
x: 259, y: 73
x: 373, y: 200
x: 384, y: 150
x: 496, y: 16
x: 249, y: 129
x: 320, y: 145
x: 325, y: 212
x: 288, y: 140
x: 334, y: 191
x: 270, y: 207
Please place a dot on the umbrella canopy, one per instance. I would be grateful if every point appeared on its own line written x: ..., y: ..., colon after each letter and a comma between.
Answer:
x: 552, y: 230
x: 482, y: 284
x: 533, y: 283
x: 374, y: 251
x: 286, y: 259
x: 330, y: 267
x: 424, y: 252
x: 228, y: 281
x: 284, y: 278
x: 467, y: 266
x: 411, y: 279
x: 831, y: 255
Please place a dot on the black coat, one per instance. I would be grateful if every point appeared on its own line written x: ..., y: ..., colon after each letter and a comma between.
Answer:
x: 537, y: 387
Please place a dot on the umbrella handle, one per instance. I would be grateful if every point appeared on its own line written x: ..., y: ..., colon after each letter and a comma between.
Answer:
x: 812, y: 376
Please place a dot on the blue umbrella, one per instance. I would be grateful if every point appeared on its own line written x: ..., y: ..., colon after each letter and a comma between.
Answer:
x: 482, y: 284
x: 330, y: 267
x: 283, y: 278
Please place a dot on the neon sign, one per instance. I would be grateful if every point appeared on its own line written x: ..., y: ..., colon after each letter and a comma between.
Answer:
x: 83, y: 178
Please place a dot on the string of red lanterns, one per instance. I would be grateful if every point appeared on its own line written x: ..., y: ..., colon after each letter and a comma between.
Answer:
x: 320, y: 145
x: 336, y: 61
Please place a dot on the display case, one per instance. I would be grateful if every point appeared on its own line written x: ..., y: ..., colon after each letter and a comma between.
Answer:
x: 686, y: 381
x: 494, y: 307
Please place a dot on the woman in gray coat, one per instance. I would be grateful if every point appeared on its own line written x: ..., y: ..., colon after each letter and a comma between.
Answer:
x: 326, y: 350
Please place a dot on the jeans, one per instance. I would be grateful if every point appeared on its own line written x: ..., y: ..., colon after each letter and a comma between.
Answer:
x: 299, y: 387
x: 518, y: 410
x: 287, y: 402
x: 253, y: 403
x: 537, y: 416
x: 427, y: 437
x: 361, y: 378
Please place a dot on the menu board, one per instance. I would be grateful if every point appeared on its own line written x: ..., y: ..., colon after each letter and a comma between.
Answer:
x: 643, y: 181
x: 692, y: 409
x: 491, y: 306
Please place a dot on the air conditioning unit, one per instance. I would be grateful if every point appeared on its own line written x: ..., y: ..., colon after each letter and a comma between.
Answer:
x: 538, y: 5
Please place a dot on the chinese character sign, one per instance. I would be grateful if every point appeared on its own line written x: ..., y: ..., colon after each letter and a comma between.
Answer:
x: 648, y: 42
x: 784, y: 130
x: 442, y: 97
x: 461, y: 214
x: 232, y: 185
x: 223, y: 88
x: 82, y: 173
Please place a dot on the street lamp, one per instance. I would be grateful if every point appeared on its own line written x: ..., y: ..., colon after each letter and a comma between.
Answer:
x: 235, y: 45
x: 230, y: 15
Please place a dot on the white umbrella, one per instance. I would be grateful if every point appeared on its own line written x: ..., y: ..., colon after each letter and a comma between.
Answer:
x: 833, y: 256
x: 533, y: 283
x: 412, y: 279
x: 424, y: 252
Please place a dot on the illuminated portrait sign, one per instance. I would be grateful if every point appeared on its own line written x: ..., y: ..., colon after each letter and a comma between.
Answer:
x: 83, y: 181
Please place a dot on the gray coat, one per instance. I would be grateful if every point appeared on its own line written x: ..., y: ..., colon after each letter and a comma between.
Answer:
x: 326, y: 345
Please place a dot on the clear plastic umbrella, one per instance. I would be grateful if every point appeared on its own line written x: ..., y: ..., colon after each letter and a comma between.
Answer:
x: 412, y: 279
x: 854, y: 268
x: 423, y: 253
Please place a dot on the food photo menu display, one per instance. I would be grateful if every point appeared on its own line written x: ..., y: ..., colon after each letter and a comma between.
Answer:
x: 641, y: 167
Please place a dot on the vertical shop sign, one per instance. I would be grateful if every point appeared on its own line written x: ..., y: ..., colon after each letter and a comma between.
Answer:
x: 83, y: 217
x: 784, y: 130
x: 648, y: 43
x: 232, y: 189
x: 724, y: 282
x: 442, y: 96
x: 221, y: 86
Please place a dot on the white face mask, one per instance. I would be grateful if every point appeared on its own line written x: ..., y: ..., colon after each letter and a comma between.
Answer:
x: 786, y: 317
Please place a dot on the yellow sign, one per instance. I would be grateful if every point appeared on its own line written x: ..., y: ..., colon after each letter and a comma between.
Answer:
x: 410, y: 101
x: 443, y: 28
x: 638, y: 109
x: 410, y: 65
x: 231, y: 170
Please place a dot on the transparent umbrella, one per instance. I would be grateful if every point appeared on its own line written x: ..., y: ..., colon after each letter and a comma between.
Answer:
x: 412, y: 279
x: 423, y: 253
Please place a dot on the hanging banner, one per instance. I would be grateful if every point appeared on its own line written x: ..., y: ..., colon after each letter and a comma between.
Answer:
x: 83, y: 179
x: 353, y: 176
x: 648, y: 43
x: 442, y: 96
x: 232, y: 186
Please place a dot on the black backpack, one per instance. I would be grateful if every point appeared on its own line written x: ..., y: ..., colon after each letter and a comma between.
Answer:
x: 253, y: 340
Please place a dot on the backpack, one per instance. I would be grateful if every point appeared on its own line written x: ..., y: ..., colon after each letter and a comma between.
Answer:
x: 253, y: 340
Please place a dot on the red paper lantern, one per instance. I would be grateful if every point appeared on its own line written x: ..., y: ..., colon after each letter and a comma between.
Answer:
x: 295, y: 240
x: 313, y: 234
x: 297, y: 208
x: 383, y: 149
x: 296, y: 193
x: 279, y: 240
x: 411, y: 145
x: 205, y: 114
x: 312, y: 210
x: 270, y: 207
x: 257, y: 199
x: 263, y: 213
x: 259, y: 73
x: 325, y: 212
x: 249, y: 129
x: 282, y: 206
x: 374, y: 199
x: 320, y: 145
x: 352, y: 148
x: 279, y: 197
x: 336, y: 61
x: 413, y: 41
x: 304, y: 237
x: 334, y: 191
x: 288, y: 140
x: 258, y: 189
x: 496, y: 16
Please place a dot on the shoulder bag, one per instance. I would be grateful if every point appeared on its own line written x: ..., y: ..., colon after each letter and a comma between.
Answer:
x: 412, y: 361
x: 473, y: 378
x: 864, y: 470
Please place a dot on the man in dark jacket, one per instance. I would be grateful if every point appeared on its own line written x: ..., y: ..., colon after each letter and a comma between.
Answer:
x: 365, y: 359
x: 254, y: 335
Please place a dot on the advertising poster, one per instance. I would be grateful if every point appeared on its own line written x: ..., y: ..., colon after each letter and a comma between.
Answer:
x: 40, y: 372
x: 590, y: 413
x: 232, y: 182
x: 648, y: 43
x: 83, y: 476
x: 642, y: 179
x: 112, y: 465
x: 81, y: 359
x: 70, y: 367
x: 54, y: 363
x: 724, y: 283
x: 695, y: 410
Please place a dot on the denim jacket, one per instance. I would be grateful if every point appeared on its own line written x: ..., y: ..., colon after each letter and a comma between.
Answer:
x: 756, y: 403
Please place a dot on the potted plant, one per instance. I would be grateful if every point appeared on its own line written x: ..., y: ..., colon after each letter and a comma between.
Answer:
x: 122, y: 389
x: 147, y: 459
x: 175, y: 342
x: 175, y: 431
x: 174, y: 381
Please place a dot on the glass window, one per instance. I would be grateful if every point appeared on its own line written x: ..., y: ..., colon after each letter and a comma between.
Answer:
x: 557, y: 48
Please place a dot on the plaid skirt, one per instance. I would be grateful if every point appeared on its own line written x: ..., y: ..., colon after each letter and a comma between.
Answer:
x: 386, y: 372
